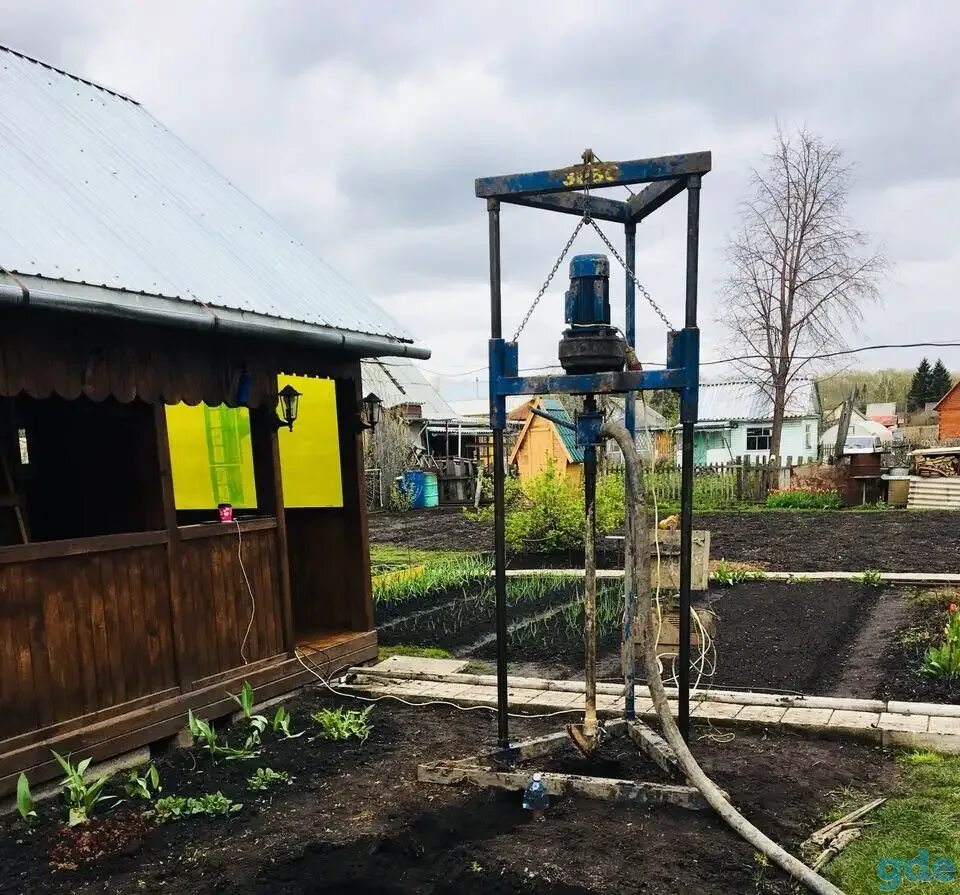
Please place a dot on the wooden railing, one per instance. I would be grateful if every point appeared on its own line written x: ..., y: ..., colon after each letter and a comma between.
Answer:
x: 92, y: 625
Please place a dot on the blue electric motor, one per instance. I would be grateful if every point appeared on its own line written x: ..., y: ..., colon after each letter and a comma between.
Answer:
x: 590, y: 344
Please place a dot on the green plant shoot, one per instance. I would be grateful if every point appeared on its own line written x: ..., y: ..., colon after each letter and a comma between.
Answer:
x: 25, y: 806
x: 80, y: 794
x: 344, y: 724
x: 146, y: 787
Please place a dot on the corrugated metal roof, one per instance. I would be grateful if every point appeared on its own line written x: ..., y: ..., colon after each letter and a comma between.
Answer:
x: 569, y: 438
x: 95, y: 190
x: 399, y: 381
x: 480, y: 407
x: 740, y: 399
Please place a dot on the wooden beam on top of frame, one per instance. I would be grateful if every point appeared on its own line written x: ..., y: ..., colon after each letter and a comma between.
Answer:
x: 597, y: 175
x: 566, y: 203
x: 650, y: 198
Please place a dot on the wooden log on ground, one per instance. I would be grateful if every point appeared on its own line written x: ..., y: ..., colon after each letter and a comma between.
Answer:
x: 638, y: 792
x: 822, y: 836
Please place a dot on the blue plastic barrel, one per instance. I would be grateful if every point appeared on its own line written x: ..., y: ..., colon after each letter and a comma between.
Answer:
x: 423, y: 489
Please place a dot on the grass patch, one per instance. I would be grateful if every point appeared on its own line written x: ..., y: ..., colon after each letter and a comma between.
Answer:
x: 419, y: 652
x: 478, y: 666
x: 923, y: 815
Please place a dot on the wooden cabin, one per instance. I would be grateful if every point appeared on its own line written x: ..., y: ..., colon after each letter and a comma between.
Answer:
x: 141, y: 294
x: 948, y: 408
x: 541, y: 442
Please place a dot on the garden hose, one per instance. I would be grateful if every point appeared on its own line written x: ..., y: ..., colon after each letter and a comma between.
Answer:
x: 638, y: 530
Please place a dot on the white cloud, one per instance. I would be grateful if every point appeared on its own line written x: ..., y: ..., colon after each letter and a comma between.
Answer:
x: 362, y: 126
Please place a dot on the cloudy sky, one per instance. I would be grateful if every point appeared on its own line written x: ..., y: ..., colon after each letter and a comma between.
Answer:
x: 361, y: 127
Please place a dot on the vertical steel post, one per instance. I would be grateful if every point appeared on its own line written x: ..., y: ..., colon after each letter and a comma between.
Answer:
x: 590, y: 581
x: 629, y: 420
x: 499, y: 511
x: 686, y: 481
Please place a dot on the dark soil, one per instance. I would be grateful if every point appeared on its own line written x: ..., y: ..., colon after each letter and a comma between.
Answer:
x: 356, y: 821
x: 769, y: 634
x: 890, y: 540
x: 902, y: 654
x: 787, y: 635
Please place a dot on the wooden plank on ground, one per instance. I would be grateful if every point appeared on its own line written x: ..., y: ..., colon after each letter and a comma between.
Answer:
x: 636, y: 791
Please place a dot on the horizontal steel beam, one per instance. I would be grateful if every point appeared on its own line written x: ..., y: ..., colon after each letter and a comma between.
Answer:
x: 596, y: 175
x: 596, y: 383
x: 567, y: 203
x: 649, y: 199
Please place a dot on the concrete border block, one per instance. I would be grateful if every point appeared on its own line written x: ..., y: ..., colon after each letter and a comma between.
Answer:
x: 895, y: 721
x: 933, y: 709
x: 807, y: 719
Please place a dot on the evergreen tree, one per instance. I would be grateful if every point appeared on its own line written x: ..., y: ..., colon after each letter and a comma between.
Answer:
x: 920, y: 387
x: 940, y: 381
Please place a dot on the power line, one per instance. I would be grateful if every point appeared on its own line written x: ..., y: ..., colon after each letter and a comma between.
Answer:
x: 730, y: 360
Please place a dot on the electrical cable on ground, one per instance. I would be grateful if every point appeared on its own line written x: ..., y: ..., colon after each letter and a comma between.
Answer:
x: 253, y: 602
x: 462, y: 708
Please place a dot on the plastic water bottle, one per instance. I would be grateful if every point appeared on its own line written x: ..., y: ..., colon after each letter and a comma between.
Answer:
x: 535, y: 797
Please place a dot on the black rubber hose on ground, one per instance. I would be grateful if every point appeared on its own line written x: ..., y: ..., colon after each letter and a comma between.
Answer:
x: 688, y: 764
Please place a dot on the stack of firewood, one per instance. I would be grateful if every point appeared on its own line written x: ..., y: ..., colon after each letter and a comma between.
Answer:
x: 938, y: 467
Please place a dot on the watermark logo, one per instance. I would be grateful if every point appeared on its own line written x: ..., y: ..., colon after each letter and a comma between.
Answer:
x: 893, y: 872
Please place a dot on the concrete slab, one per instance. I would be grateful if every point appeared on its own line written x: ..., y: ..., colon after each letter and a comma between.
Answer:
x: 760, y: 714
x: 945, y: 744
x: 854, y: 720
x: 895, y: 721
x: 949, y: 726
x: 556, y: 699
x: 809, y: 718
x: 608, y: 703
x: 420, y: 665
x: 715, y: 710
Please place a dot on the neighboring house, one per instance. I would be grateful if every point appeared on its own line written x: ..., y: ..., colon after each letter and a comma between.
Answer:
x: 147, y: 312
x: 435, y: 429
x: 653, y: 433
x: 540, y: 442
x: 736, y: 420
x: 859, y: 425
x: 949, y: 409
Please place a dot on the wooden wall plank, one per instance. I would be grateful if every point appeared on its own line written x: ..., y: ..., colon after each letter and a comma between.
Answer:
x: 86, y: 655
x: 118, y: 645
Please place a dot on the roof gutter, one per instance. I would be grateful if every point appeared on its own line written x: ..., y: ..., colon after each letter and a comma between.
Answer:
x: 79, y: 298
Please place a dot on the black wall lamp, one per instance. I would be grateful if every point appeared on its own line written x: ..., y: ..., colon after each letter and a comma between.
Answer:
x: 370, y: 409
x: 288, y: 405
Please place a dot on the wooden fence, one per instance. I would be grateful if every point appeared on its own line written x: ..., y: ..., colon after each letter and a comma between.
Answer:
x: 718, y: 485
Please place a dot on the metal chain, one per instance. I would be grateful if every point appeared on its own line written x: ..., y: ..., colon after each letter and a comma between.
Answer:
x: 546, y: 283
x: 631, y: 274
x: 588, y: 158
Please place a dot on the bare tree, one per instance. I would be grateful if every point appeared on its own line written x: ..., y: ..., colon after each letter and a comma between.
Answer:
x: 800, y: 272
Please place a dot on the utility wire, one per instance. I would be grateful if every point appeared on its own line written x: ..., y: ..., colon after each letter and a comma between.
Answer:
x: 729, y: 360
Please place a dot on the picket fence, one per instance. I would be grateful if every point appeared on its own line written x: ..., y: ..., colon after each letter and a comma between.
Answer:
x: 716, y: 485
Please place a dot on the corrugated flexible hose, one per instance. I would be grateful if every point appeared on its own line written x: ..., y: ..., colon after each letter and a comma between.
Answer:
x: 688, y: 764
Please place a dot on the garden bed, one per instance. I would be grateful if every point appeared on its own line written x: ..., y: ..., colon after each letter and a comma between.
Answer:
x: 902, y: 655
x: 795, y: 541
x: 356, y: 821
